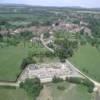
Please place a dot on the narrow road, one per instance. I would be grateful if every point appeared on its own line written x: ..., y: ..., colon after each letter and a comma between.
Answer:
x: 97, y: 85
x: 45, y: 44
x: 9, y: 84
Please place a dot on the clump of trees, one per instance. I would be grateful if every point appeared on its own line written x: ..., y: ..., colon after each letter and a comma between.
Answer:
x: 56, y: 79
x: 26, y: 61
x: 64, y: 48
x: 32, y: 86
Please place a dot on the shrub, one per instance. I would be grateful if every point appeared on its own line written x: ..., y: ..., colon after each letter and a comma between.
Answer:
x: 32, y: 87
x: 61, y: 87
x: 56, y: 79
x: 27, y: 61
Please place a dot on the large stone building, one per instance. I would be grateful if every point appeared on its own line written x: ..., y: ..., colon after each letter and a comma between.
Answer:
x: 46, y: 72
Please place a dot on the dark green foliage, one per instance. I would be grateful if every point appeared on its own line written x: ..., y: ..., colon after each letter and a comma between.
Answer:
x: 26, y: 35
x: 27, y: 61
x: 75, y: 80
x: 49, y: 54
x: 64, y: 53
x: 3, y: 22
x: 46, y: 35
x: 1, y: 38
x: 32, y: 87
x: 56, y: 79
x: 12, y: 41
x: 61, y: 87
x: 95, y: 26
x: 64, y: 49
x: 74, y: 44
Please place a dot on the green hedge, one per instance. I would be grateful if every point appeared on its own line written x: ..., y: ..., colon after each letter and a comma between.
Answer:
x: 56, y: 79
x: 84, y: 82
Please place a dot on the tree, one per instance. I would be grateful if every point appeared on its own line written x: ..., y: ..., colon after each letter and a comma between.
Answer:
x: 1, y: 37
x: 26, y: 36
x: 27, y: 61
x: 84, y: 82
x: 32, y: 87
x: 64, y: 48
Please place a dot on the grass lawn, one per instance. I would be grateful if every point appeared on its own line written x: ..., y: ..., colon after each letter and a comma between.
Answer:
x: 10, y: 60
x: 75, y: 93
x: 13, y: 94
x: 88, y: 58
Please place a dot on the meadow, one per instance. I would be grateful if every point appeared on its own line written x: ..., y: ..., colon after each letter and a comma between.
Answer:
x: 13, y: 94
x: 70, y: 92
x: 87, y: 59
x: 11, y: 58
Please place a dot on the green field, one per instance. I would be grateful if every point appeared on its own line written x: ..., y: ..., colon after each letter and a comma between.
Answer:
x: 10, y: 60
x: 13, y: 94
x: 77, y: 92
x: 88, y: 58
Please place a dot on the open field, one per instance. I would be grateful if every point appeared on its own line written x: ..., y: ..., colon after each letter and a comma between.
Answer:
x: 87, y: 58
x: 13, y: 94
x: 71, y: 92
x: 11, y: 58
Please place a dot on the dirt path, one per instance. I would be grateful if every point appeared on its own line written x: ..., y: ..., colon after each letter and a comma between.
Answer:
x: 70, y: 88
x: 45, y: 45
x: 45, y: 94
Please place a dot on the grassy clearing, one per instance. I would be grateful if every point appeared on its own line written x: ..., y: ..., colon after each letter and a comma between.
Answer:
x: 88, y: 58
x: 75, y: 93
x: 13, y: 94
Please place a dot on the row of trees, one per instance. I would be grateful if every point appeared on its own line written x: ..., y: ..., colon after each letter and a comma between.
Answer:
x: 16, y: 38
x: 85, y: 82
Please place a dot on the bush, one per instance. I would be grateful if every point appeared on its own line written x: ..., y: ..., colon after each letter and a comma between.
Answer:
x: 32, y: 87
x: 56, y: 79
x: 27, y: 61
x: 61, y: 87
